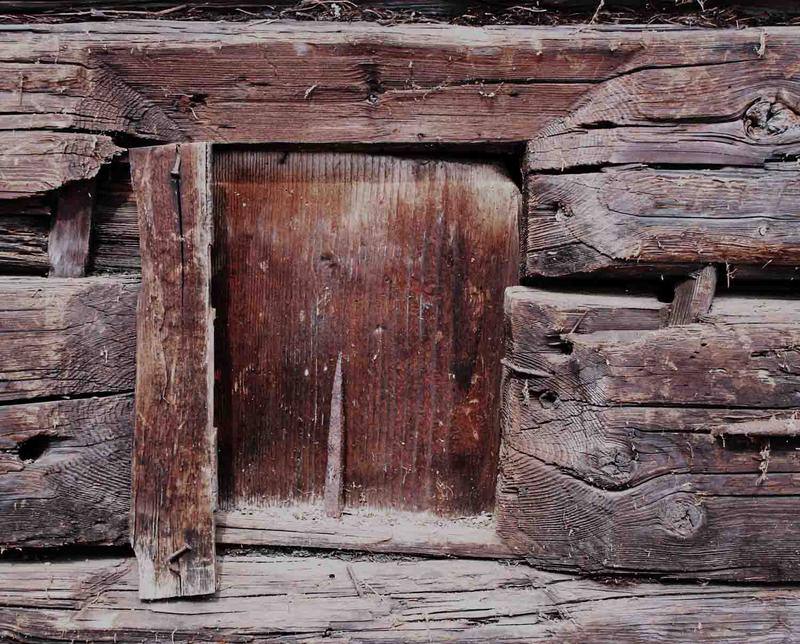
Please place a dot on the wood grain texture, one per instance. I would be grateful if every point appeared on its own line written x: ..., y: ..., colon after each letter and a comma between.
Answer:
x: 327, y: 599
x: 659, y: 117
x: 24, y: 227
x: 693, y: 297
x: 399, y: 264
x: 631, y: 218
x: 174, y: 447
x: 171, y: 81
x: 633, y: 448
x: 115, y: 225
x: 36, y: 161
x: 65, y: 472
x: 61, y: 337
x: 68, y: 244
x: 365, y: 530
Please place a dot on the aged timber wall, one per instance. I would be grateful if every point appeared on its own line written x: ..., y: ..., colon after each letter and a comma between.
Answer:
x: 650, y: 152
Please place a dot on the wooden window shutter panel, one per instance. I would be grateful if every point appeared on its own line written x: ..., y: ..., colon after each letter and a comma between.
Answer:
x: 174, y: 448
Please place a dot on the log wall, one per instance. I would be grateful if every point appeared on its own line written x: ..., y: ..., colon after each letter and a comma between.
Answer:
x: 640, y: 151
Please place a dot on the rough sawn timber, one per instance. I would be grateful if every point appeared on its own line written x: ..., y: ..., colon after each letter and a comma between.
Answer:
x: 65, y: 464
x: 69, y: 89
x: 328, y: 599
x: 63, y: 337
x: 399, y: 264
x: 174, y: 446
x: 629, y: 447
x: 634, y: 218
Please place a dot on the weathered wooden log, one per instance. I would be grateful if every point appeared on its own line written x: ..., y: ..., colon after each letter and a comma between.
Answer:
x: 64, y: 464
x: 35, y: 161
x: 370, y: 84
x: 65, y: 471
x: 324, y: 599
x: 174, y: 447
x: 631, y: 218
x: 633, y: 448
x: 62, y: 337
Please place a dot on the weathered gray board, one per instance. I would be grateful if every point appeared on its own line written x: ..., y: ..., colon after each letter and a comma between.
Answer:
x: 629, y: 447
x: 330, y: 599
x: 174, y: 478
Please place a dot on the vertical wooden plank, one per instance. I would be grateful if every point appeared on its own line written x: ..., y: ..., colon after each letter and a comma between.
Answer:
x: 693, y: 297
x: 68, y: 246
x: 174, y: 465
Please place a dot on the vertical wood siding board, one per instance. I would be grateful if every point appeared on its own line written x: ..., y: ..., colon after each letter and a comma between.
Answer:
x: 68, y: 245
x: 595, y: 478
x: 174, y: 465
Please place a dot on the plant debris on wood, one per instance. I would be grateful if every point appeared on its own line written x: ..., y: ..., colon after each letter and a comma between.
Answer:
x: 693, y: 13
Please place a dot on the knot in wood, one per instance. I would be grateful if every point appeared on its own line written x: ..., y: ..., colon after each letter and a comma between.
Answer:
x: 616, y: 465
x: 769, y: 118
x: 683, y: 516
x: 563, y: 211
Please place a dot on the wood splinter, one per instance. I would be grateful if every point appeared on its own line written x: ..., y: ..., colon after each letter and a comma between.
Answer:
x: 332, y: 500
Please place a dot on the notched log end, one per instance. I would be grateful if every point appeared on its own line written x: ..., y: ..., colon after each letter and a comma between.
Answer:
x: 770, y: 118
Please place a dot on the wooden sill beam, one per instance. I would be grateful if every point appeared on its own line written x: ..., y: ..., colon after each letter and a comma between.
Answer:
x: 418, y: 600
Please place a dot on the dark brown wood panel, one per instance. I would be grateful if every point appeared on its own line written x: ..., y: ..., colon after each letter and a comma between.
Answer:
x: 632, y: 218
x: 400, y: 265
x: 319, y: 599
x: 629, y: 447
x: 64, y: 337
x: 65, y: 472
x: 174, y: 447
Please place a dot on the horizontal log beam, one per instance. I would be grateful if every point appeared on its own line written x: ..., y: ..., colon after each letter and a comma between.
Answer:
x: 625, y: 219
x: 65, y: 337
x: 332, y: 599
x: 65, y: 471
x: 630, y: 447
x: 355, y: 83
x: 65, y: 463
